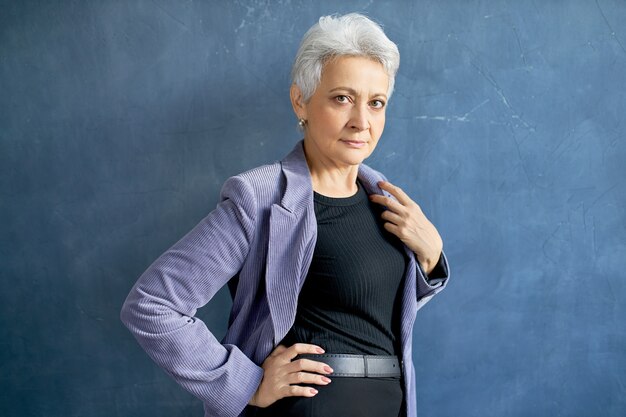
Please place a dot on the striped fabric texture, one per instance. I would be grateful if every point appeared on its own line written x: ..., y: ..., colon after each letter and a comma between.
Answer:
x: 259, y: 240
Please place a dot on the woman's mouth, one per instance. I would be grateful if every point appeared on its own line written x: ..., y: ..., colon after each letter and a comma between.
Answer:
x: 354, y: 143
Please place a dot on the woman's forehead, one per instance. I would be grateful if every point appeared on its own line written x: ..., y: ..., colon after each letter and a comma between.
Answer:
x: 355, y: 73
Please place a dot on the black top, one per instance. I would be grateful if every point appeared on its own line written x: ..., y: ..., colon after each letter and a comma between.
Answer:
x: 350, y: 301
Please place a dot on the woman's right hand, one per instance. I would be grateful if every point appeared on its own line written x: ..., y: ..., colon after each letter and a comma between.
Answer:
x: 280, y: 373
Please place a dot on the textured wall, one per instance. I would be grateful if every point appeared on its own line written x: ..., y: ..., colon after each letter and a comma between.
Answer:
x: 119, y: 121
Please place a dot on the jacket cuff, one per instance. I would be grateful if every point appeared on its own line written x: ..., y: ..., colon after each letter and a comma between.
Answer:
x: 240, y: 384
x: 439, y: 272
x: 436, y: 280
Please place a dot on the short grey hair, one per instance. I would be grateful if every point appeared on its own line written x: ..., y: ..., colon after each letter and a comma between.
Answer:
x: 352, y: 34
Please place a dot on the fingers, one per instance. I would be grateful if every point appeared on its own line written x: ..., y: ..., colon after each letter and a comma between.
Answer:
x: 392, y: 228
x: 396, y: 191
x: 310, y: 366
x: 305, y: 371
x: 278, y: 350
x: 296, y: 390
x: 307, y: 378
x: 281, y: 374
x: 297, y: 348
x: 388, y: 202
x: 392, y: 217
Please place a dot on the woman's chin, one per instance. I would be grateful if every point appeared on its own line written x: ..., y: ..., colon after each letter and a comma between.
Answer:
x: 353, y: 157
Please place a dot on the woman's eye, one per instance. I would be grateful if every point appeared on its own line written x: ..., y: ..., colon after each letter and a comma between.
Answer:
x: 378, y: 104
x: 342, y: 99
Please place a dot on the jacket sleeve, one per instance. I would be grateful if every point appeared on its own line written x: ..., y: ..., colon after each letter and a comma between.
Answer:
x: 439, y: 272
x: 431, y: 284
x: 160, y: 309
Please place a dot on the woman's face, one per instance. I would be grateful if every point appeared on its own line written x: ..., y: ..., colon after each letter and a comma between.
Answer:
x: 346, y: 114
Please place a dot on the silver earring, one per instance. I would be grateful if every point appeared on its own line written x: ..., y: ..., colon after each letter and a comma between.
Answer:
x: 301, y: 123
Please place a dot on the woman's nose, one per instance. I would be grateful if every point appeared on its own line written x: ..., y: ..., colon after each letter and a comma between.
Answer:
x: 359, y: 119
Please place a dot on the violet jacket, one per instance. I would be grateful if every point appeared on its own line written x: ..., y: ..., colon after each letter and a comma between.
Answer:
x: 259, y: 240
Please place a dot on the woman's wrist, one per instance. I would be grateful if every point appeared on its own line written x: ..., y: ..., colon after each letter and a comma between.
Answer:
x: 428, y: 264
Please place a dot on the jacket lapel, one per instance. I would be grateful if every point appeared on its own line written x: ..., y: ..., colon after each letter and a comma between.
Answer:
x: 292, y: 234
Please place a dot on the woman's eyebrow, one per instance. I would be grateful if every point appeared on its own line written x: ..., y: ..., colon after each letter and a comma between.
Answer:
x: 353, y: 91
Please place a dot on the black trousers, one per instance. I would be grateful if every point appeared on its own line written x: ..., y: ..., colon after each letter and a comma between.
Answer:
x: 345, y: 397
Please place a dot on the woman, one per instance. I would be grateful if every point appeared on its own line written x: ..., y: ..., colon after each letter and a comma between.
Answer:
x: 320, y: 253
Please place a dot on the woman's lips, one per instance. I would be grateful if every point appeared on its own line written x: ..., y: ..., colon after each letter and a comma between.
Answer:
x: 354, y: 143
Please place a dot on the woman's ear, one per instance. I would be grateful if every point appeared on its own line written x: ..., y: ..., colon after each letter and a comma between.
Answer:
x: 297, y: 101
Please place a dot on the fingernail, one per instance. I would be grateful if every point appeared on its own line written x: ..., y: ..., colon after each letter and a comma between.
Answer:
x: 325, y: 379
x: 320, y: 350
x: 313, y: 391
x: 328, y: 369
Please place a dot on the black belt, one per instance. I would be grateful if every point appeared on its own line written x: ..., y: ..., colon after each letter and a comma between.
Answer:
x: 344, y: 364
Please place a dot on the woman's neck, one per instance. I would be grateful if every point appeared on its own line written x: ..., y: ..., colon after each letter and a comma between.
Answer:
x: 331, y: 179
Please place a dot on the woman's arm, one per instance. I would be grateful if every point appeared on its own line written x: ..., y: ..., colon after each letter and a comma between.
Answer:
x: 160, y: 308
x: 406, y: 220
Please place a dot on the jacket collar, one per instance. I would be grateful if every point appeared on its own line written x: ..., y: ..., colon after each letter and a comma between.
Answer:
x: 299, y: 188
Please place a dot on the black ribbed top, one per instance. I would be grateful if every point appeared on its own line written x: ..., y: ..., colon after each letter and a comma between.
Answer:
x: 350, y: 300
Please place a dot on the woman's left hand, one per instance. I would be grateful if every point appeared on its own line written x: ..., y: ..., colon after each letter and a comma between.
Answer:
x: 405, y: 219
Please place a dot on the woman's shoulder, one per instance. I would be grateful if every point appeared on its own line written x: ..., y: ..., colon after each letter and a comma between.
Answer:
x: 263, y: 181
x: 265, y: 172
x: 262, y: 176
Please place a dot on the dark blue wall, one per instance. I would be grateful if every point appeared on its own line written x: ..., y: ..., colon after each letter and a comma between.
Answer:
x: 120, y: 120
